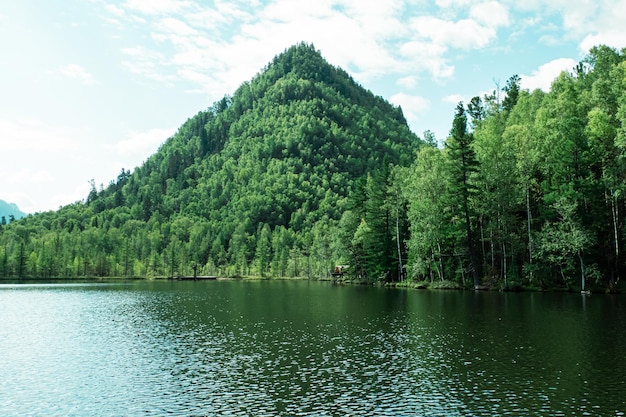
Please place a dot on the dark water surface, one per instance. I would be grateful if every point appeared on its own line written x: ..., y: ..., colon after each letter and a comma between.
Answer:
x: 305, y: 348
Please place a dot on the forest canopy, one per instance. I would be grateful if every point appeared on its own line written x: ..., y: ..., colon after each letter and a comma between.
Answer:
x: 531, y: 193
x: 303, y: 169
x: 255, y: 184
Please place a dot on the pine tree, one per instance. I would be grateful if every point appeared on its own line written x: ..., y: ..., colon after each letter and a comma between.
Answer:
x: 462, y: 166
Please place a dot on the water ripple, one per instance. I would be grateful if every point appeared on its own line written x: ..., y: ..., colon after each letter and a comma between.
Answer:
x: 218, y: 350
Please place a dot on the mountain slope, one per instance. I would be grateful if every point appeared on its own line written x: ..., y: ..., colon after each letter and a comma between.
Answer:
x: 297, y: 129
x: 9, y: 209
x: 257, y: 174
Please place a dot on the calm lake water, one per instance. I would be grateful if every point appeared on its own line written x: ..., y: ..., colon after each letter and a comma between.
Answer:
x: 306, y: 348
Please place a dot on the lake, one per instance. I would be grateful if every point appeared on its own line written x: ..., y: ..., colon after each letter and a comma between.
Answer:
x: 266, y: 348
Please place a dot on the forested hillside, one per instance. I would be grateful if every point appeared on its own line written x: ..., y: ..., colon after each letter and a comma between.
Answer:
x: 257, y: 184
x: 528, y: 190
x: 302, y: 169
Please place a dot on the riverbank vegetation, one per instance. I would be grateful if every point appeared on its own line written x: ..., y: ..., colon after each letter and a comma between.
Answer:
x: 302, y: 170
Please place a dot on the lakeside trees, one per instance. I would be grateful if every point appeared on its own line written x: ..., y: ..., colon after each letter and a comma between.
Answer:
x: 547, y: 185
x: 302, y: 169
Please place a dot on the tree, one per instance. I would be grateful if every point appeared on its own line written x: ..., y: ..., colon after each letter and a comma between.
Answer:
x: 520, y: 135
x: 462, y: 166
x: 397, y: 204
x: 426, y: 191
x: 476, y: 110
x: 565, y: 239
x: 430, y: 139
x: 377, y: 235
x: 263, y: 249
x: 512, y: 90
x: 497, y: 197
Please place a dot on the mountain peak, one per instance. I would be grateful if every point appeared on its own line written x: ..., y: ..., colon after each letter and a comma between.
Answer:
x: 302, y: 59
x: 272, y: 165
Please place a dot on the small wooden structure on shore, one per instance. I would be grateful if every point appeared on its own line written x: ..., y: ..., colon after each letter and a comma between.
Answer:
x: 338, y: 272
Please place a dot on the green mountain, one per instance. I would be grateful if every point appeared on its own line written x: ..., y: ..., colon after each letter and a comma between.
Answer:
x: 255, y: 184
x: 8, y: 210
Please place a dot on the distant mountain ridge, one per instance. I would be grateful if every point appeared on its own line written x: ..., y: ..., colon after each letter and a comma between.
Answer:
x: 10, y: 209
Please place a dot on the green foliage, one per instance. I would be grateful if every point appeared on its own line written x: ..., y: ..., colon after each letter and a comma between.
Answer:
x: 512, y: 90
x: 302, y: 169
x: 463, y: 165
x: 539, y: 184
x: 255, y: 184
x: 426, y: 189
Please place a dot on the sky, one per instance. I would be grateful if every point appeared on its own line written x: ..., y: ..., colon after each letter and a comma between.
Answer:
x: 91, y: 87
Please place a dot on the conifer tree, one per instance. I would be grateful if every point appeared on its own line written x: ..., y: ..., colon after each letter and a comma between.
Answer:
x: 462, y: 166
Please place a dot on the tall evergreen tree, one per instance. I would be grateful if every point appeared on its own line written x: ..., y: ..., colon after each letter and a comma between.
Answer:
x: 512, y: 90
x: 462, y: 166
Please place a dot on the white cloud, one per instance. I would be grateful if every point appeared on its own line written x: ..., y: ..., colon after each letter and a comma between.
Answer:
x: 422, y: 55
x: 432, y: 38
x: 115, y: 10
x: 54, y: 163
x: 147, y: 63
x: 407, y: 82
x: 588, y: 22
x: 412, y: 106
x: 28, y: 176
x: 219, y: 46
x: 463, y: 34
x: 175, y: 28
x: 142, y: 144
x: 36, y: 161
x: 353, y: 36
x: 50, y: 201
x: 156, y: 7
x: 24, y: 201
x: 77, y: 72
x: 29, y: 135
x: 455, y: 98
x: 543, y: 77
x: 615, y: 39
x: 452, y: 3
x: 491, y: 14
x: 78, y: 193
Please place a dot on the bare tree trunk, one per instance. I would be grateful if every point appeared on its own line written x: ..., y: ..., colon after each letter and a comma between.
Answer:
x: 400, y: 269
x: 482, y: 240
x: 493, y: 258
x: 462, y: 271
x: 470, y: 247
x: 615, y: 214
x: 441, y: 271
x: 582, y: 271
x: 528, y: 221
x: 432, y: 263
x: 504, y: 264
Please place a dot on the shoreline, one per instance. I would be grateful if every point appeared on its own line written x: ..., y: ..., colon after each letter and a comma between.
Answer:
x: 409, y: 285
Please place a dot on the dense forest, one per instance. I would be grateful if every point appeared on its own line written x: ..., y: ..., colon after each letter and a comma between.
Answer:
x: 528, y: 189
x: 303, y: 169
x: 257, y: 184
